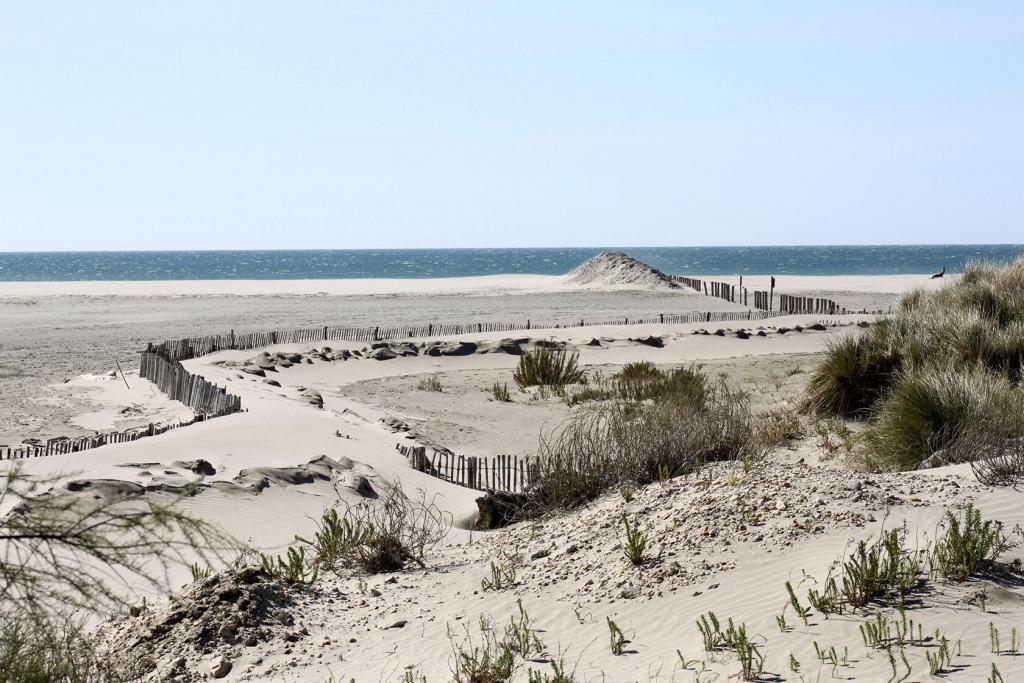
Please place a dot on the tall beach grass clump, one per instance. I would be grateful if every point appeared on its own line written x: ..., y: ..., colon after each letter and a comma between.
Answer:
x: 925, y: 377
x: 548, y: 366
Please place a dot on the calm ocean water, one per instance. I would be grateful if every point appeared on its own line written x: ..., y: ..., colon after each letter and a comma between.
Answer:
x: 426, y: 263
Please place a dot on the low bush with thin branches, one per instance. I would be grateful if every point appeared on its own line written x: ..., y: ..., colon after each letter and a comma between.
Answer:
x: 61, y: 551
x: 53, y: 649
x: 65, y: 555
x: 382, y: 535
x: 994, y: 449
x: 606, y: 445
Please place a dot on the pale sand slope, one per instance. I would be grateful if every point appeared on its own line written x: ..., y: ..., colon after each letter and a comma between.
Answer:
x: 347, y: 635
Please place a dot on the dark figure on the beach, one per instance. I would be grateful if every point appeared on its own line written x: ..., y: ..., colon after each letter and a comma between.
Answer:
x: 938, y: 274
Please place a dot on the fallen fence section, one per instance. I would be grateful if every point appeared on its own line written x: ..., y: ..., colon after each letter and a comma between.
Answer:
x: 511, y: 473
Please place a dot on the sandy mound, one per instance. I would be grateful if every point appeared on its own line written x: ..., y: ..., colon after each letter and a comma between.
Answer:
x: 615, y: 270
x: 206, y: 624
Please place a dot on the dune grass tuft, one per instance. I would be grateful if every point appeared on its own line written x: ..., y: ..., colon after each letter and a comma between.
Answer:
x: 431, y: 382
x: 927, y: 411
x: 548, y: 366
x: 943, y: 361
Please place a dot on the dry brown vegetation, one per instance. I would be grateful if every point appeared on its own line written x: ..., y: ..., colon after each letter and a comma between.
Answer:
x: 609, y: 443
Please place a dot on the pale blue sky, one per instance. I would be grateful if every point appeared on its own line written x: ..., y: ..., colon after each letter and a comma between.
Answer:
x: 144, y: 125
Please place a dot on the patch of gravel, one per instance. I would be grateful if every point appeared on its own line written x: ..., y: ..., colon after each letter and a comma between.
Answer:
x: 695, y: 524
x: 206, y: 625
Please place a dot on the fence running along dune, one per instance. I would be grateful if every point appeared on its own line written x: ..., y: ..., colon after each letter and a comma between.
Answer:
x: 62, y: 444
x: 171, y: 377
x: 194, y: 347
x: 763, y: 301
x: 161, y: 364
x: 206, y: 400
x: 511, y: 473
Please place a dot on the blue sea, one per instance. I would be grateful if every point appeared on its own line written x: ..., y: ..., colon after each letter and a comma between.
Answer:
x: 431, y: 263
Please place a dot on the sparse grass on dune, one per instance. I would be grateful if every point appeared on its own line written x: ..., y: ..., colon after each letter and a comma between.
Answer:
x: 944, y: 361
x: 43, y: 649
x: 645, y: 381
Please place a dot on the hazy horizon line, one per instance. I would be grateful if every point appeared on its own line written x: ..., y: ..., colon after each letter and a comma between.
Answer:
x: 602, y: 247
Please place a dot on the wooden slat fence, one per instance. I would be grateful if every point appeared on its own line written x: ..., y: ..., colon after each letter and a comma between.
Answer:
x: 171, y: 377
x: 206, y: 399
x: 62, y: 444
x: 511, y: 473
x: 719, y: 290
x: 194, y: 347
x: 805, y: 304
x: 763, y: 300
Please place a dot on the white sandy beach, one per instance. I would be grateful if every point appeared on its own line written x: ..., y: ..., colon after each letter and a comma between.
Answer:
x: 283, y: 461
x: 737, y: 574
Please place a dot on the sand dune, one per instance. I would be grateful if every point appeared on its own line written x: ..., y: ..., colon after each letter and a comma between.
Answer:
x: 726, y: 539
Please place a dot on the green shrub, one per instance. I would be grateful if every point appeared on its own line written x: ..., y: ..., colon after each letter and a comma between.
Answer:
x: 855, y: 371
x: 292, y: 568
x: 199, y: 572
x: 635, y: 545
x: 559, y: 674
x: 734, y: 638
x: 503, y: 575
x: 520, y: 635
x: 382, y: 535
x: 548, y: 366
x: 927, y: 410
x: 944, y: 359
x: 969, y: 546
x: 490, y: 662
x: 644, y: 381
x: 885, y: 571
x: 616, y: 637
x: 642, y: 371
x: 499, y: 392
